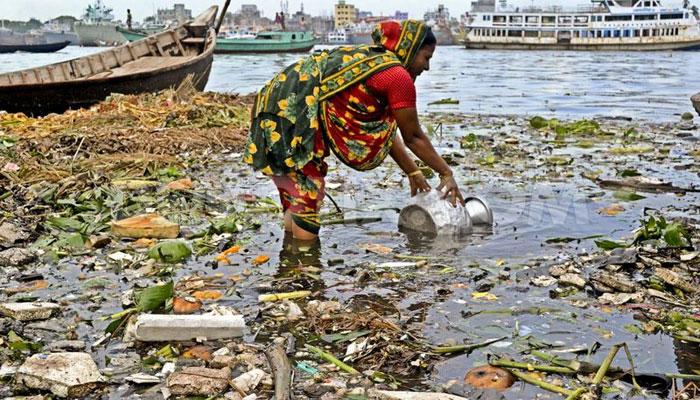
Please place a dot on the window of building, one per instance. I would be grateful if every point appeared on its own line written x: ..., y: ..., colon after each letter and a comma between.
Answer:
x: 515, y: 33
x: 548, y: 19
x: 645, y: 17
x: 618, y: 18
x: 671, y: 16
x: 532, y: 34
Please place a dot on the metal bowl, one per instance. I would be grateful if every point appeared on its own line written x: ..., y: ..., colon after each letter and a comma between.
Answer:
x: 479, y: 211
x: 434, y: 220
x: 417, y: 218
x: 696, y: 102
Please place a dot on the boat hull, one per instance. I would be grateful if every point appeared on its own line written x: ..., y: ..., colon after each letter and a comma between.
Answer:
x: 237, y: 48
x: 98, y: 34
x: 34, y: 48
x: 243, y: 46
x: 648, y: 46
x: 161, y: 61
x: 59, y: 97
x: 54, y: 37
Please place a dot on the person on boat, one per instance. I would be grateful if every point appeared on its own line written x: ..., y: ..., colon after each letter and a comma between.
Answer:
x: 278, y: 19
x: 348, y: 101
x: 128, y: 18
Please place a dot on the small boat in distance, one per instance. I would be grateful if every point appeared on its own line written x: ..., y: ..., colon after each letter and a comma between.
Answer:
x: 34, y: 47
x: 152, y: 64
x: 614, y: 25
x: 11, y: 42
x: 263, y: 42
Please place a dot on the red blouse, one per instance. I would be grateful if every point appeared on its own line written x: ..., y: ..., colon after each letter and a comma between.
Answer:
x: 396, y: 86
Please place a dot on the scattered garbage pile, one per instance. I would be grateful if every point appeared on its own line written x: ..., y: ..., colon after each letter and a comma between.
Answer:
x: 121, y: 136
x: 137, y: 260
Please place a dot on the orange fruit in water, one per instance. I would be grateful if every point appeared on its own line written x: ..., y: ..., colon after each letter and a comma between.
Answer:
x: 489, y: 377
x: 186, y: 306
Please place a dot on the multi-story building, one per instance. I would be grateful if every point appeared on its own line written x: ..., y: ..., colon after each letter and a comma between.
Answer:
x: 299, y: 21
x: 177, y: 14
x: 345, y: 14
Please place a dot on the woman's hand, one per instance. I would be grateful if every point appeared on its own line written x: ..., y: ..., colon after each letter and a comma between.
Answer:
x: 418, y: 183
x: 451, y: 189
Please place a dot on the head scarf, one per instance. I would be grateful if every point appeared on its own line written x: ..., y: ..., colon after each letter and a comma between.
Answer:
x: 401, y: 38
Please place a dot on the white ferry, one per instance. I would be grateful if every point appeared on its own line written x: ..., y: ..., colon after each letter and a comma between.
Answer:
x: 609, y: 25
x: 337, y: 37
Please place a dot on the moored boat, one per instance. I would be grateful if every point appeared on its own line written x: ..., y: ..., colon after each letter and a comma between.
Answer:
x: 34, y: 47
x: 621, y: 25
x: 97, y: 27
x: 264, y: 42
x: 154, y: 63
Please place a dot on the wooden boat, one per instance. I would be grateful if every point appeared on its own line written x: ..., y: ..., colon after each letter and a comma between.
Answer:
x: 34, y: 48
x: 154, y: 63
x: 696, y: 102
x: 264, y: 42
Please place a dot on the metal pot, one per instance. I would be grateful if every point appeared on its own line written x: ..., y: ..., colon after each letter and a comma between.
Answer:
x: 433, y: 215
x: 479, y: 211
x: 696, y: 102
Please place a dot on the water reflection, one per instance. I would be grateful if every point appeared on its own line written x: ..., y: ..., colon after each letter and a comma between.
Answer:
x: 422, y: 242
x: 687, y: 357
x: 299, y: 265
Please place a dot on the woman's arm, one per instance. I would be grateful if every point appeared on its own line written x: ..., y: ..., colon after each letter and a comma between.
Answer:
x: 408, y: 166
x: 419, y: 143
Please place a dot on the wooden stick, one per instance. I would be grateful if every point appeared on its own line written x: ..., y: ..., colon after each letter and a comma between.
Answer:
x: 603, y: 370
x: 283, y: 296
x: 532, y: 367
x: 331, y: 359
x: 544, y: 385
x: 281, y: 371
x: 465, y: 347
x: 576, y: 394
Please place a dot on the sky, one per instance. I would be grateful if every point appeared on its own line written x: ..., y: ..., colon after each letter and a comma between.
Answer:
x: 140, y: 9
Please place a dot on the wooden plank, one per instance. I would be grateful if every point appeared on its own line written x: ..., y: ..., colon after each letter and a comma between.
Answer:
x: 89, y: 63
x: 193, y: 41
x: 25, y: 77
x: 104, y: 62
x: 148, y: 63
x: 177, y: 42
x: 52, y: 73
x: 131, y: 52
x: 66, y: 71
x: 117, y: 57
x: 161, y: 52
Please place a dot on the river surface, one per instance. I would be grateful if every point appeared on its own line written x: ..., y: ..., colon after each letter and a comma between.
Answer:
x: 535, y: 198
x: 640, y: 85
